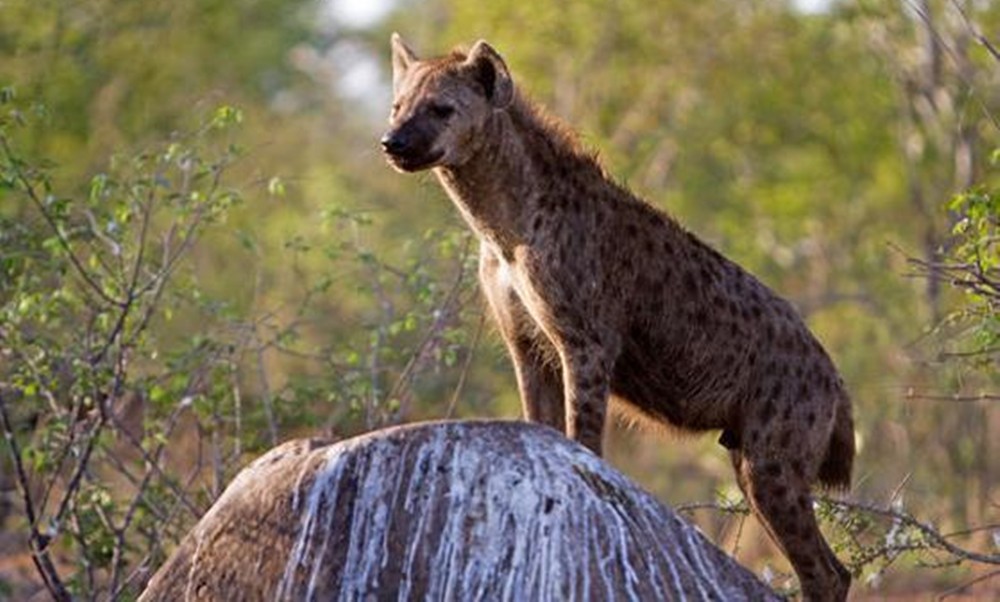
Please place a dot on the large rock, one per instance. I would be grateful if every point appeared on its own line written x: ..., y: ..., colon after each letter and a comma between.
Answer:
x: 444, y: 511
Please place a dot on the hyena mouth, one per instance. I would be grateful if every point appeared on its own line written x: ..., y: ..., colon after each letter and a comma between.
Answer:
x: 410, y: 163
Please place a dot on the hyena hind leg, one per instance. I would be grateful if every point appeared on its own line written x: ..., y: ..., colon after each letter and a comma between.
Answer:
x: 782, y: 501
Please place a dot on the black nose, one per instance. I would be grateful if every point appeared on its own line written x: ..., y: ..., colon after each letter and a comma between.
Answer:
x: 394, y: 143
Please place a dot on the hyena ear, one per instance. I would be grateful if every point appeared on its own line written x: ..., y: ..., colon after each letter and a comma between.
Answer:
x: 402, y: 58
x: 491, y: 72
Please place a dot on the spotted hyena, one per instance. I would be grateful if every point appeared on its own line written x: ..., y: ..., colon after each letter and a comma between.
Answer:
x: 599, y: 295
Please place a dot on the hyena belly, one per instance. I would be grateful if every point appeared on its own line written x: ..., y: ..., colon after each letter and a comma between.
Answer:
x: 709, y: 346
x: 689, y: 347
x: 662, y: 385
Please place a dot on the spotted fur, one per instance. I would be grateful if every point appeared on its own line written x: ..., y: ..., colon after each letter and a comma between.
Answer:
x: 598, y: 294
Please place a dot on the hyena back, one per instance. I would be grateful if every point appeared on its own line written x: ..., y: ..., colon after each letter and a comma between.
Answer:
x: 599, y: 295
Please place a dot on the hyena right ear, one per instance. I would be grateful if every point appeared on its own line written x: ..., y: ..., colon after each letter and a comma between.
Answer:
x: 491, y: 72
x: 402, y: 58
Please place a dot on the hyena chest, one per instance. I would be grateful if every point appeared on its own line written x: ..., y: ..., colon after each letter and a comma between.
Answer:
x: 536, y: 299
x: 539, y: 310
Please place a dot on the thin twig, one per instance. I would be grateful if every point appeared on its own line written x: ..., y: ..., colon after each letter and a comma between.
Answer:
x: 39, y: 543
x: 976, y: 32
x: 899, y: 488
x: 444, y: 313
x: 954, y: 397
x: 972, y: 530
x: 728, y: 508
x: 963, y: 587
x: 465, y: 367
x: 741, y: 521
x: 88, y: 565
x: 932, y: 534
x: 266, y: 392
x: 29, y: 189
x: 939, y: 39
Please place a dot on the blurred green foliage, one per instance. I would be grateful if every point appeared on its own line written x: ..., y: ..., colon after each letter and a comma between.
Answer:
x: 202, y: 252
x: 975, y: 268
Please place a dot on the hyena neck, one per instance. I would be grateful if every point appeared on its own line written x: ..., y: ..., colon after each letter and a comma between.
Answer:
x: 498, y: 189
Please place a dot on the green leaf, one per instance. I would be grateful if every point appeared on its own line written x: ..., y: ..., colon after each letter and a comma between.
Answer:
x: 276, y: 187
x: 226, y: 116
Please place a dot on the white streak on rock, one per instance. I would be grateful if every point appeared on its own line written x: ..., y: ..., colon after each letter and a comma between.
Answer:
x: 455, y: 511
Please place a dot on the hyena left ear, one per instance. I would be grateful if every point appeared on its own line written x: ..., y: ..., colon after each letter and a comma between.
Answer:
x: 402, y: 58
x: 491, y: 72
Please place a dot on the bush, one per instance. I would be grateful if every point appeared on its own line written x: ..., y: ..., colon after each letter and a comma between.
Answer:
x: 129, y: 394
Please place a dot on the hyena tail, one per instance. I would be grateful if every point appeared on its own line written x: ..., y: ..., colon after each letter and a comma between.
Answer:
x: 835, y: 471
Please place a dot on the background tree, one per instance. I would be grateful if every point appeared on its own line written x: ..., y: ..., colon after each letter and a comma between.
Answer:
x: 319, y: 292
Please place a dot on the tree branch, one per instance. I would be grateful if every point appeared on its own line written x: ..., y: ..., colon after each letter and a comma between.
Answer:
x: 29, y: 189
x: 934, y: 536
x: 39, y: 543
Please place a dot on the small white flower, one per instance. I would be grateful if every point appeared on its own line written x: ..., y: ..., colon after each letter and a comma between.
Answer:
x: 767, y: 574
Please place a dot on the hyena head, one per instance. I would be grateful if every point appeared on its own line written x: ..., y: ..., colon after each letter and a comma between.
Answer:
x: 440, y: 106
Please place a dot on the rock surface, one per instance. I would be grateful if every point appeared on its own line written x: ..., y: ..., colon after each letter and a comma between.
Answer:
x: 444, y: 511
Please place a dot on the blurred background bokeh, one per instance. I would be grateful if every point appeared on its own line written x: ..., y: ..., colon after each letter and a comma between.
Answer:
x: 819, y: 144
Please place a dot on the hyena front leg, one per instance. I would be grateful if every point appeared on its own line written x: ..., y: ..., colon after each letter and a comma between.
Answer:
x: 536, y: 364
x: 584, y: 331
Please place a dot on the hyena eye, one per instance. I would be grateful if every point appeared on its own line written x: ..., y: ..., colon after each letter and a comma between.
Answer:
x: 442, y: 111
